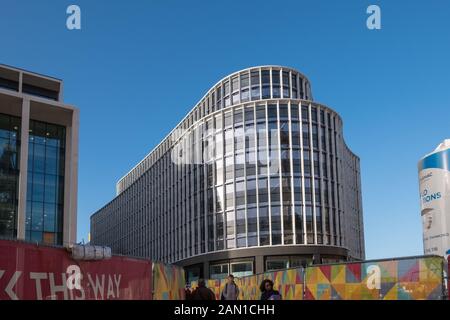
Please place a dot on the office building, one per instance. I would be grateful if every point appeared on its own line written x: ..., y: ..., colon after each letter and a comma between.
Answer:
x: 256, y: 177
x: 38, y: 159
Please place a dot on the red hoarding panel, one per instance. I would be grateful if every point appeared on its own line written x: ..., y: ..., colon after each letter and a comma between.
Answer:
x: 32, y: 272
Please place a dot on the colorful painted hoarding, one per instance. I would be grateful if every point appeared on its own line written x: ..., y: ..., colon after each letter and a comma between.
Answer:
x: 168, y: 282
x: 402, y: 279
x: 32, y: 272
x: 288, y: 282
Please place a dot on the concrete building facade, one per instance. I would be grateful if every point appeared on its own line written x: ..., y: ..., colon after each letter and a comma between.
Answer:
x: 256, y: 177
x: 38, y: 159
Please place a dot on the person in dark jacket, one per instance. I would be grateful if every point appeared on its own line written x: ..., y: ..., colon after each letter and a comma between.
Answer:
x: 188, y: 293
x: 202, y: 292
x: 267, y: 292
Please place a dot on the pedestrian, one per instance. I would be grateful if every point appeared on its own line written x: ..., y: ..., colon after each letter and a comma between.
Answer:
x: 231, y: 290
x: 267, y: 292
x: 188, y: 292
x: 202, y: 292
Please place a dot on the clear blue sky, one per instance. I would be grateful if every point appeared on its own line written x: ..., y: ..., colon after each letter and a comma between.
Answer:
x: 137, y: 67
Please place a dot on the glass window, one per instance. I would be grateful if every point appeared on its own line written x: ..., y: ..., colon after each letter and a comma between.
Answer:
x: 252, y: 221
x: 240, y: 193
x: 229, y: 168
x: 235, y: 98
x: 219, y: 172
x: 226, y: 88
x: 219, y: 199
x: 242, y: 269
x: 218, y: 271
x: 277, y: 263
x: 249, y: 114
x: 309, y: 224
x: 229, y: 141
x: 46, y: 182
x: 265, y: 92
x: 255, y: 77
x: 276, y: 224
x: 244, y: 79
x: 287, y: 225
x: 9, y: 174
x: 230, y: 224
x: 305, y: 113
x: 239, y: 169
x: 299, y: 224
x: 284, y: 113
x: 229, y: 196
x: 261, y: 113
x: 219, y: 232
x: 245, y: 95
x: 251, y: 191
x: 235, y: 83
x: 238, y: 117
x: 255, y: 93
x: 264, y: 226
x: 239, y: 139
x: 265, y: 75
x: 240, y: 223
x: 218, y: 122
x: 250, y: 163
x: 272, y: 111
x: 263, y: 190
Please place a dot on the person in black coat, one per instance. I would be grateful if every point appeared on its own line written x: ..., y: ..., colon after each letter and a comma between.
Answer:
x: 267, y: 292
x: 202, y: 292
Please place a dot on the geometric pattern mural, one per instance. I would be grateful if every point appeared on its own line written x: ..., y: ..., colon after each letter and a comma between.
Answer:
x: 288, y: 282
x: 419, y: 278
x: 400, y: 279
x: 168, y: 282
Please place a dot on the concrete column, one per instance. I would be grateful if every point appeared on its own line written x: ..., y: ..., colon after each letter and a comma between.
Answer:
x: 259, y: 264
x: 23, y: 169
x: 71, y: 182
x: 206, y: 270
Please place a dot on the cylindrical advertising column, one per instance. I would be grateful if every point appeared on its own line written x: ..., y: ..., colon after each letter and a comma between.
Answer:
x: 434, y: 184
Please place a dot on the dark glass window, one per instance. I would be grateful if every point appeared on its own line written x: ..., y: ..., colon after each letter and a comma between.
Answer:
x: 305, y: 115
x: 249, y: 114
x: 309, y: 224
x: 264, y: 237
x: 272, y: 111
x: 45, y: 196
x: 265, y: 92
x: 255, y: 77
x: 263, y: 190
x: 299, y: 224
x: 276, y: 84
x: 276, y: 224
x: 251, y: 192
x: 286, y: 93
x: 234, y: 84
x: 9, y: 174
x: 287, y: 225
x: 265, y: 74
x: 240, y: 193
x: 252, y: 224
x: 244, y: 80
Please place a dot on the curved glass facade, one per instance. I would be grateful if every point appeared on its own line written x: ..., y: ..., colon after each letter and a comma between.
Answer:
x: 255, y: 164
